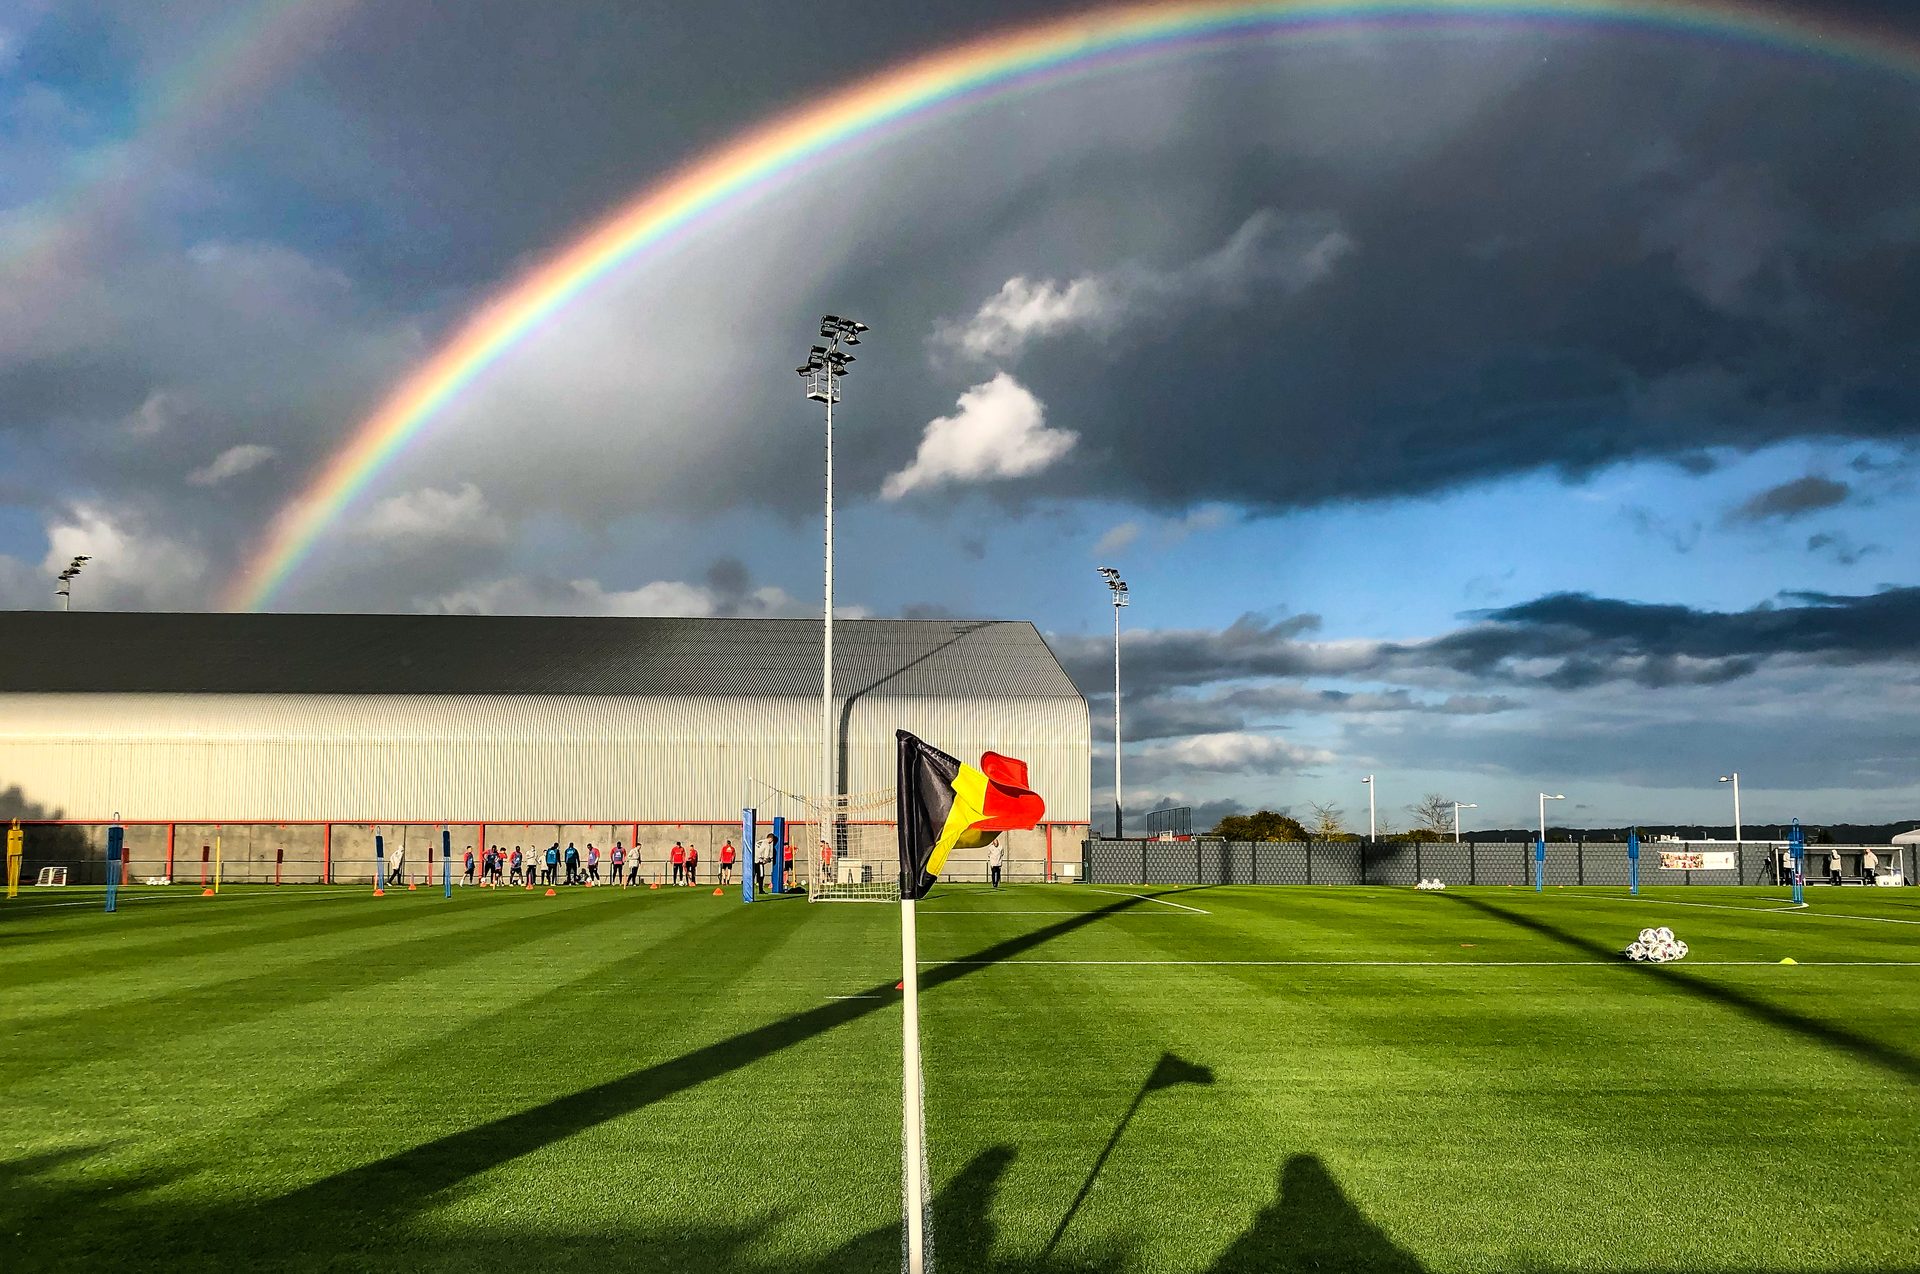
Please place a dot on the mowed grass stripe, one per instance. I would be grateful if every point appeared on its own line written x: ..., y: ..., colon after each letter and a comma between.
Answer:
x: 127, y: 1021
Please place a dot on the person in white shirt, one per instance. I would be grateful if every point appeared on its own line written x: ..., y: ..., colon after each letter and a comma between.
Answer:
x: 1833, y: 867
x: 1869, y: 865
x: 398, y: 873
x: 994, y: 860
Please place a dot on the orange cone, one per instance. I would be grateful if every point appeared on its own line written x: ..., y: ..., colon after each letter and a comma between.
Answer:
x: 549, y: 891
x: 717, y: 892
x: 411, y: 886
x: 378, y: 893
x: 654, y: 885
x: 206, y: 893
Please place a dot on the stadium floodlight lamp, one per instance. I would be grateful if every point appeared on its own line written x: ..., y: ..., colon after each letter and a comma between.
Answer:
x: 825, y: 366
x: 66, y: 578
x: 1457, y: 807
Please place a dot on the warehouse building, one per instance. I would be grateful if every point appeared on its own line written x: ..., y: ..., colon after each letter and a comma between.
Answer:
x: 287, y: 741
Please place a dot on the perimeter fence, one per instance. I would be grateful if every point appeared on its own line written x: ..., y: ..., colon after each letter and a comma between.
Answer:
x: 342, y: 853
x: 1220, y: 862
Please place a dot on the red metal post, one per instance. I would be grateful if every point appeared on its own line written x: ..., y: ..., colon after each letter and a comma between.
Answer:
x: 169, y: 853
x: 326, y: 853
x: 1049, y: 876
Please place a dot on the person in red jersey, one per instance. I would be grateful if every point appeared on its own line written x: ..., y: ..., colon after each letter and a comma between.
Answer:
x: 693, y: 864
x: 726, y: 863
x: 678, y: 857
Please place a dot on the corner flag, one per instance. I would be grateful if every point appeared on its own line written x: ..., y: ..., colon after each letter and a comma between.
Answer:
x: 944, y: 804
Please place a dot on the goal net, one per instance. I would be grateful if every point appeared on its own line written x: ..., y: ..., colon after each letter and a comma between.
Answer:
x: 51, y: 876
x: 844, y: 848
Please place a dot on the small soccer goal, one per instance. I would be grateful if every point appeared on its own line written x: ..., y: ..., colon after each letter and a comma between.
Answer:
x: 51, y: 876
x: 842, y: 849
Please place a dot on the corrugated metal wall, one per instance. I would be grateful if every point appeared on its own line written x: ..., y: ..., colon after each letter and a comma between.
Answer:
x: 264, y: 758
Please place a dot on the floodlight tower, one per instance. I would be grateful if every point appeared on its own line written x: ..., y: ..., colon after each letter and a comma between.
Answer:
x: 1734, y: 778
x: 1371, y: 833
x: 1118, y: 587
x: 66, y: 578
x: 1457, y: 807
x: 824, y: 367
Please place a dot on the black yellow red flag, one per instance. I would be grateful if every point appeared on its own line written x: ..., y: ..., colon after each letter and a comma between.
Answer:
x: 944, y: 804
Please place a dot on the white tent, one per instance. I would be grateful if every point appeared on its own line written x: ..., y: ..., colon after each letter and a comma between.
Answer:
x: 1908, y: 838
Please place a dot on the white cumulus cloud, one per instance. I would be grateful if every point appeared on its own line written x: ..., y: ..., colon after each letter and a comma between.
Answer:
x: 435, y: 515
x: 1228, y: 752
x: 999, y: 431
x: 529, y: 595
x: 1270, y: 250
x: 230, y: 463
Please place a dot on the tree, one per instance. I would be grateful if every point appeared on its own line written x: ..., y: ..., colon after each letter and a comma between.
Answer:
x: 1329, y: 820
x: 1432, y: 816
x: 1260, y: 825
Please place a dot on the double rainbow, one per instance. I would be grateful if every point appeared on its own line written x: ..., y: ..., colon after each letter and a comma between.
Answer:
x: 978, y: 71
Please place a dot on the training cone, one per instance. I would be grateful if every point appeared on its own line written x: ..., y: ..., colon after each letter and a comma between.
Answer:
x: 411, y: 886
x: 654, y: 885
x: 718, y: 891
x: 550, y: 891
x: 206, y: 893
x: 1789, y: 960
x: 378, y: 893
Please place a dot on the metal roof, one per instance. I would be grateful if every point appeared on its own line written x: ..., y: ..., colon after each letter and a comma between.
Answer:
x: 106, y: 651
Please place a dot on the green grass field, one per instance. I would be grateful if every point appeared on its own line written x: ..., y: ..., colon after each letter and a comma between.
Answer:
x: 1139, y: 1079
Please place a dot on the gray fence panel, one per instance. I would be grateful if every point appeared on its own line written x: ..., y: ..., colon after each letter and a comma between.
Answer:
x: 1213, y: 862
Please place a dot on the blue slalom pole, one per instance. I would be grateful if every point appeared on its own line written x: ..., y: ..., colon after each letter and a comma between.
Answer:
x: 1633, y: 861
x: 779, y: 854
x: 446, y: 859
x: 749, y: 824
x: 1797, y: 849
x: 1539, y: 865
x: 116, y: 848
x: 379, y: 864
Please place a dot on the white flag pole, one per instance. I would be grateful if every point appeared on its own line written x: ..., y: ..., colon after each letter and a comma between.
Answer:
x: 912, y: 1142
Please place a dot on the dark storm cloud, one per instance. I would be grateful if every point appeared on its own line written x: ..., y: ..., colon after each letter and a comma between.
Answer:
x: 1839, y: 547
x: 1564, y: 641
x: 1615, y: 260
x: 1164, y: 716
x: 1791, y: 500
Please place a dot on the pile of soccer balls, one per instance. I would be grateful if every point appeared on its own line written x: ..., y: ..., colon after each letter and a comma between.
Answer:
x: 1656, y: 946
x: 1431, y: 884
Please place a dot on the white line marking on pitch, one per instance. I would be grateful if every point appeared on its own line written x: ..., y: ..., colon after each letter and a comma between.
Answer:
x: 1621, y: 963
x: 856, y: 997
x: 1121, y: 893
x: 1804, y: 908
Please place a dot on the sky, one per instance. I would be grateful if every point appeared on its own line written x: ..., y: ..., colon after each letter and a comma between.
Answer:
x: 1490, y: 408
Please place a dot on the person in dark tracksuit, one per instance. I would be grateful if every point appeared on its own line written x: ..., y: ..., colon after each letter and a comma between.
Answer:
x: 619, y: 862
x: 573, y: 864
x: 553, y: 863
x: 469, y: 864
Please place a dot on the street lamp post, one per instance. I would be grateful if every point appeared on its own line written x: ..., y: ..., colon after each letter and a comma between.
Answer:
x: 824, y: 367
x: 1457, y: 807
x: 1544, y: 798
x: 1118, y: 587
x: 1371, y: 833
x: 1734, y: 778
x: 66, y: 578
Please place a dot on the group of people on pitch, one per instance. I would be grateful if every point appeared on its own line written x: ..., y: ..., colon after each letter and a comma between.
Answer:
x: 497, y: 867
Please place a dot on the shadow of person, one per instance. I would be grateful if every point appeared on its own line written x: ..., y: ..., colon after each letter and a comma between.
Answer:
x: 1313, y: 1226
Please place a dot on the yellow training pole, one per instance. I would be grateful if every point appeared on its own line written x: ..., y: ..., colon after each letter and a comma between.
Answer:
x: 216, y: 861
x: 16, y: 849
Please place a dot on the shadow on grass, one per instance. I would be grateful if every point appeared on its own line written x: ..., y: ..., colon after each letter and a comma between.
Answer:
x: 1900, y: 1064
x: 1167, y: 1072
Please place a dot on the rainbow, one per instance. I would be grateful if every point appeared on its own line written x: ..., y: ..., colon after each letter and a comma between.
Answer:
x: 981, y: 70
x: 243, y: 55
